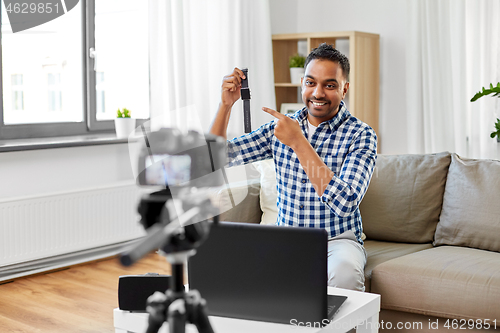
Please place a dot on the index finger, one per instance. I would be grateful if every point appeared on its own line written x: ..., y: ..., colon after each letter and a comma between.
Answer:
x: 274, y: 113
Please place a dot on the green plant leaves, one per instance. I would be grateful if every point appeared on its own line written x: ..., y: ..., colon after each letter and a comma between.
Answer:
x: 497, y: 127
x: 297, y: 61
x: 484, y: 92
x: 123, y: 113
x: 496, y: 92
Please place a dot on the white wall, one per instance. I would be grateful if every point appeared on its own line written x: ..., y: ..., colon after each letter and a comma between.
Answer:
x: 50, y: 171
x: 44, y: 171
x: 384, y: 17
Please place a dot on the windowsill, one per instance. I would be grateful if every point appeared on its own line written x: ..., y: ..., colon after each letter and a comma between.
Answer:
x: 62, y: 142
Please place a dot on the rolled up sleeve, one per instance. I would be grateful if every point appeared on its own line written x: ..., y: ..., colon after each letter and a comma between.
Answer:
x: 251, y: 147
x: 345, y: 191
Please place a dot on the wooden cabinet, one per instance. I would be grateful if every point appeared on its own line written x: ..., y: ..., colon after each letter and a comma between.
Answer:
x: 361, y: 48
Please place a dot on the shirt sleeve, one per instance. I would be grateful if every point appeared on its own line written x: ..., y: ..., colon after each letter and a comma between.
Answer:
x: 346, y: 190
x: 251, y: 147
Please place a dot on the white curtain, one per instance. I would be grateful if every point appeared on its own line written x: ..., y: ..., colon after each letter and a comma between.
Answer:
x: 453, y: 50
x: 193, y: 44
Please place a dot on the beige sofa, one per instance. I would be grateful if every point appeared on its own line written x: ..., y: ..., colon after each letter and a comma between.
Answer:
x: 432, y: 226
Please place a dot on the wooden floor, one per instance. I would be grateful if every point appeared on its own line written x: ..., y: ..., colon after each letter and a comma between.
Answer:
x: 76, y: 299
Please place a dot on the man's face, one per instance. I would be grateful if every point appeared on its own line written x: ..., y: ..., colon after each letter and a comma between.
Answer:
x: 323, y: 87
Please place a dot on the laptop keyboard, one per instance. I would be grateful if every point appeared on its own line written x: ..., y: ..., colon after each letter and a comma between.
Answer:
x: 334, y: 303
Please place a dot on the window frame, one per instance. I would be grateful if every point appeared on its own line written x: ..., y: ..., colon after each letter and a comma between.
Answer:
x: 90, y: 124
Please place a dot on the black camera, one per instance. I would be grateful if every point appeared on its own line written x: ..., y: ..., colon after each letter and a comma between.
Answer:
x: 178, y: 162
x: 174, y: 159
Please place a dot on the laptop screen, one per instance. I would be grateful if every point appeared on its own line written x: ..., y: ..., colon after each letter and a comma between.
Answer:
x: 262, y: 272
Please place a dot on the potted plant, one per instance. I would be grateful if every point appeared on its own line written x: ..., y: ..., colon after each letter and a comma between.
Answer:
x: 124, y: 124
x: 296, y: 65
x: 496, y: 93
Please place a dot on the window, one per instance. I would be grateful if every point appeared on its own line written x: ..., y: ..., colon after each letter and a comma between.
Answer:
x: 69, y: 76
x: 121, y: 44
x: 16, y: 84
x: 100, y: 93
x: 55, y: 93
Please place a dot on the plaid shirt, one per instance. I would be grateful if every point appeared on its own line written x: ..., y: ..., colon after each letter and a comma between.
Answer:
x: 346, y: 145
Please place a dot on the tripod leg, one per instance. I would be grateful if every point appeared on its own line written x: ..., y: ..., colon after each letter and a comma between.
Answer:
x: 197, y: 311
x: 156, y: 308
x: 177, y: 316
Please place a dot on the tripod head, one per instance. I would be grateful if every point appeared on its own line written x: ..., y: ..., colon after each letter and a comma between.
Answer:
x: 173, y: 225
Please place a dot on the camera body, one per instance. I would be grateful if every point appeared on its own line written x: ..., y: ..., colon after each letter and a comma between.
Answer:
x: 175, y: 160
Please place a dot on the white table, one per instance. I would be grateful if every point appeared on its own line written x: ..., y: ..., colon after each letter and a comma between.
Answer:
x: 359, y: 311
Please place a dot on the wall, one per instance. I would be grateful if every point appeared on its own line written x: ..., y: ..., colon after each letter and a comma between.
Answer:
x: 64, y: 206
x: 55, y: 171
x: 384, y: 17
x: 37, y: 172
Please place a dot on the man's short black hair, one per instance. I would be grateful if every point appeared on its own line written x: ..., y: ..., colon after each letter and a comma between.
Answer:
x: 328, y: 52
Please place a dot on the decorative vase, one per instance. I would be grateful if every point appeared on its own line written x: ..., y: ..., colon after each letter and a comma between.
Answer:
x: 296, y: 73
x: 124, y: 126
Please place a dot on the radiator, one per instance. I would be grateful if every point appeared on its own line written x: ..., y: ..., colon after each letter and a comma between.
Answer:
x: 38, y: 227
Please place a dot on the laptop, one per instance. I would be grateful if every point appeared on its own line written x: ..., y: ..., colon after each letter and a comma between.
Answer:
x: 265, y: 273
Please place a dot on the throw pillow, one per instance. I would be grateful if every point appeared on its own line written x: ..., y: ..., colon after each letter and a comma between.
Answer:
x: 268, y: 191
x: 404, y: 199
x: 471, y: 205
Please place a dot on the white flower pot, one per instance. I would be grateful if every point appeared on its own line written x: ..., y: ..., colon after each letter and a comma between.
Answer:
x: 296, y: 73
x: 124, y: 126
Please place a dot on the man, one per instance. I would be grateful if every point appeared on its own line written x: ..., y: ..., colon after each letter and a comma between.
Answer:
x: 324, y: 158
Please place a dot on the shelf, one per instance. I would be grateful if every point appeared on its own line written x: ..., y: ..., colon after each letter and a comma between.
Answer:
x: 286, y: 85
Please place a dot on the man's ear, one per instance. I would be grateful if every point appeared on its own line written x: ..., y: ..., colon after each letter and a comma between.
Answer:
x: 346, y: 88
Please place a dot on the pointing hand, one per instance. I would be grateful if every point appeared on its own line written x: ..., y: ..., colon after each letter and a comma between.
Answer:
x: 287, y: 130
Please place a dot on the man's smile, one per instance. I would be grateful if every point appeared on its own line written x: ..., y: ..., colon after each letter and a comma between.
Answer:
x: 318, y: 103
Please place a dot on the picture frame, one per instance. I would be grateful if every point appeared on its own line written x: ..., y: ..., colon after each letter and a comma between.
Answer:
x: 287, y: 108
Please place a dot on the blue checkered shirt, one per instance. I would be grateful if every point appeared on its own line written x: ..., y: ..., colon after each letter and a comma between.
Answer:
x: 346, y: 145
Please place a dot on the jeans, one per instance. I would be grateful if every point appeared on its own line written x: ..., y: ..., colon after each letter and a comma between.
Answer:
x: 346, y: 262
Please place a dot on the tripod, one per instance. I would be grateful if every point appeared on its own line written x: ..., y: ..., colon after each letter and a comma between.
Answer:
x: 177, y: 306
x: 177, y: 242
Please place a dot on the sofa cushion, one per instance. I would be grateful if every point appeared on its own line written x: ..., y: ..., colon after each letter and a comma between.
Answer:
x: 404, y: 199
x: 446, y: 281
x: 417, y: 323
x: 239, y: 202
x: 268, y: 191
x: 379, y: 252
x: 471, y: 205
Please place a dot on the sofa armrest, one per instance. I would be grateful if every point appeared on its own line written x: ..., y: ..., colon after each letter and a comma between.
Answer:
x: 239, y: 202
